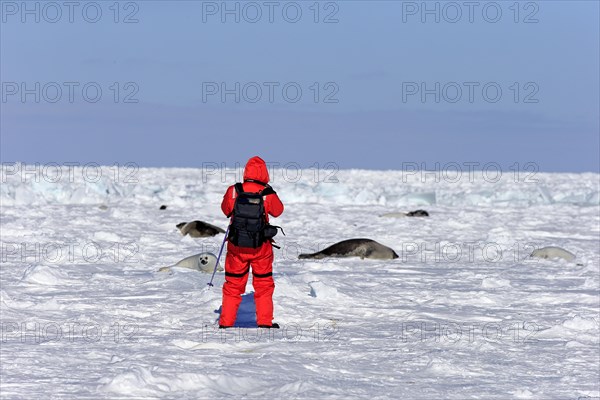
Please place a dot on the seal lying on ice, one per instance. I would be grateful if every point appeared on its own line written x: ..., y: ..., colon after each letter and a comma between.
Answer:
x: 416, y: 213
x: 198, y: 229
x: 553, y: 252
x: 363, y: 248
x: 203, y: 262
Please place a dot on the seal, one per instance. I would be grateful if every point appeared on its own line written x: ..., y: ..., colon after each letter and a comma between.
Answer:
x: 203, y: 262
x: 197, y: 229
x: 553, y: 252
x: 363, y: 248
x: 416, y: 213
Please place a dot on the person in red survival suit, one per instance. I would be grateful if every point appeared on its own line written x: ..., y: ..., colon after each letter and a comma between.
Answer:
x: 239, y: 259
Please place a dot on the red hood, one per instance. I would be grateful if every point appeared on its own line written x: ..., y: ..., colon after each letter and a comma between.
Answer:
x: 256, y: 169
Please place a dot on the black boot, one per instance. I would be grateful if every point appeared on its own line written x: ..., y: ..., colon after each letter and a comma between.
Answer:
x: 224, y: 327
x: 273, y: 326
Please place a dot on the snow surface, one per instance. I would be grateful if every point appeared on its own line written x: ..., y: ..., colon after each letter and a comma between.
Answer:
x: 463, y: 313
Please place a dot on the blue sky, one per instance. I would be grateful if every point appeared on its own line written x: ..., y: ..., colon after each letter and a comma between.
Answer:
x: 504, y: 82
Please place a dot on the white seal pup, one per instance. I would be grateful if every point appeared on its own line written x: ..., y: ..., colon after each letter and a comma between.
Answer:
x: 553, y: 252
x: 363, y: 248
x: 203, y: 262
x: 197, y: 229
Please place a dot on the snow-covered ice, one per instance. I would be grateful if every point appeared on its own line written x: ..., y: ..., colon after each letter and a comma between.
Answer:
x: 463, y: 313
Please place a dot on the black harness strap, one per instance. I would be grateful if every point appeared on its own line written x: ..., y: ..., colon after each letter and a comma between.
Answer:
x: 278, y: 227
x: 255, y: 181
x: 267, y: 190
x: 239, y: 188
x: 268, y: 274
x: 232, y: 275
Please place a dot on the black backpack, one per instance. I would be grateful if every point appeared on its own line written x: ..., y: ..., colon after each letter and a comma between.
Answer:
x: 249, y: 227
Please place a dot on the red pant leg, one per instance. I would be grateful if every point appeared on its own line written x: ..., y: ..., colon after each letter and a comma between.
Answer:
x: 236, y: 277
x: 262, y: 280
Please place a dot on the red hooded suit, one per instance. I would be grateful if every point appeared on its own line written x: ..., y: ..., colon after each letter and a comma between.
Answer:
x: 239, y: 259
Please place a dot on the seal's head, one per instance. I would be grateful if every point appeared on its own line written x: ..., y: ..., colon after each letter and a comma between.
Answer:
x: 203, y: 259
